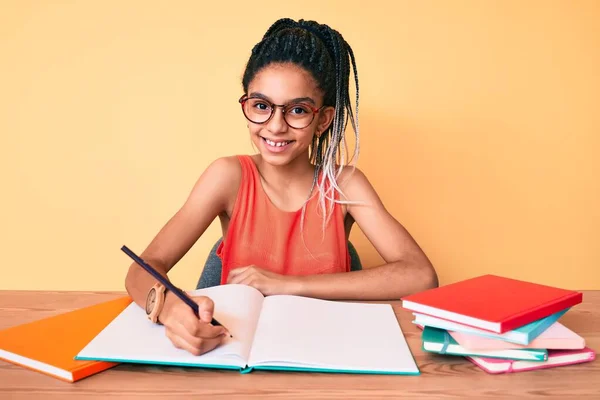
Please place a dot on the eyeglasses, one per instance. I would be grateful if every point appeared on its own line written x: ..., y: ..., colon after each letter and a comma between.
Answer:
x: 260, y: 111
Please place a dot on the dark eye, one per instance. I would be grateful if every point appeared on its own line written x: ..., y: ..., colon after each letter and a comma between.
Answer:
x: 261, y: 106
x: 299, y: 109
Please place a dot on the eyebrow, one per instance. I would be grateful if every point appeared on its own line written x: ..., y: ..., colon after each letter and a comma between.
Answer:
x: 296, y: 100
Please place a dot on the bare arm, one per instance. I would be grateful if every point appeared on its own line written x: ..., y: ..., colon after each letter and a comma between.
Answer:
x: 212, y: 195
x: 406, y: 270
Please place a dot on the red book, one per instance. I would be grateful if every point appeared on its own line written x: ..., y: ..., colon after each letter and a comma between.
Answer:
x: 491, y: 302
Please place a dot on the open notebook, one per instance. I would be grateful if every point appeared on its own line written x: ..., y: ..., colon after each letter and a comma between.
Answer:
x: 275, y: 332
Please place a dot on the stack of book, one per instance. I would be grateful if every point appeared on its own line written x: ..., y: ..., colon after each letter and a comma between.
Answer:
x: 500, y: 324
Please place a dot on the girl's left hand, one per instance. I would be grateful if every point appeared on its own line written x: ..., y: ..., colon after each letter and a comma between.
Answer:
x: 267, y: 282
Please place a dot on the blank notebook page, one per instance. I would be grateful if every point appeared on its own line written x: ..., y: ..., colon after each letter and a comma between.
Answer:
x: 131, y: 337
x: 299, y: 331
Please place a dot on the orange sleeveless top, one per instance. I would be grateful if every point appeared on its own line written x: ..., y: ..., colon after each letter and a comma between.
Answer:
x: 261, y: 234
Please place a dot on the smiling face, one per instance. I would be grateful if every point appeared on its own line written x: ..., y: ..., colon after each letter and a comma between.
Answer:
x: 286, y: 84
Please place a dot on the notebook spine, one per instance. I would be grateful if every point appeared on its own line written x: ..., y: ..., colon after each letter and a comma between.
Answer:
x: 246, y: 370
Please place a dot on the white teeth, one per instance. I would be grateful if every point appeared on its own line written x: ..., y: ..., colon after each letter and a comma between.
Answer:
x: 276, y: 144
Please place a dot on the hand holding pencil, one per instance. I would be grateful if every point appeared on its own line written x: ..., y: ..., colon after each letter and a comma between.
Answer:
x: 186, y: 330
x: 188, y: 320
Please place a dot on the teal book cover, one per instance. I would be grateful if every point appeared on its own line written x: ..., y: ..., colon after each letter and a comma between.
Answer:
x: 522, y: 335
x: 440, y: 341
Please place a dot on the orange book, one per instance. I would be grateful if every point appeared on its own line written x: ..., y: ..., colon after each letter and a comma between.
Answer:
x: 50, y: 345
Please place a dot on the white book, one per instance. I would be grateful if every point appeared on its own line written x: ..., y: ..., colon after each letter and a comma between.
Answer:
x: 275, y: 332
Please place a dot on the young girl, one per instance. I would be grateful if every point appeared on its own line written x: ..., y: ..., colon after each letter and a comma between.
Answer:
x: 286, y: 212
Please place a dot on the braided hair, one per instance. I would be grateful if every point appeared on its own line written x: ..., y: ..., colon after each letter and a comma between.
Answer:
x: 324, y: 53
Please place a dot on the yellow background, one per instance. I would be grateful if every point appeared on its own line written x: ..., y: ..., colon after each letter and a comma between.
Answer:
x: 480, y: 126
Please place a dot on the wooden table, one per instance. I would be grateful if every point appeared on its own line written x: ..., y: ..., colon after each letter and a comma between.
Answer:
x: 441, y: 376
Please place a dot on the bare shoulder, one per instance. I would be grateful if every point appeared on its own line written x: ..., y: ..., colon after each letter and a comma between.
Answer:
x: 351, y: 176
x: 220, y: 180
x: 226, y: 167
x: 357, y: 188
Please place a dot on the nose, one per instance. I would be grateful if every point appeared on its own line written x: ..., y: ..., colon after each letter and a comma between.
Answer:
x: 277, y: 122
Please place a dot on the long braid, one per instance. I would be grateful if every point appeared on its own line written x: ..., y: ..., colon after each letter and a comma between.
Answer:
x: 323, y: 52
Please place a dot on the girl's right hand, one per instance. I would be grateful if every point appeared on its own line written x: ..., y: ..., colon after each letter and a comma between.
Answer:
x: 188, y: 332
